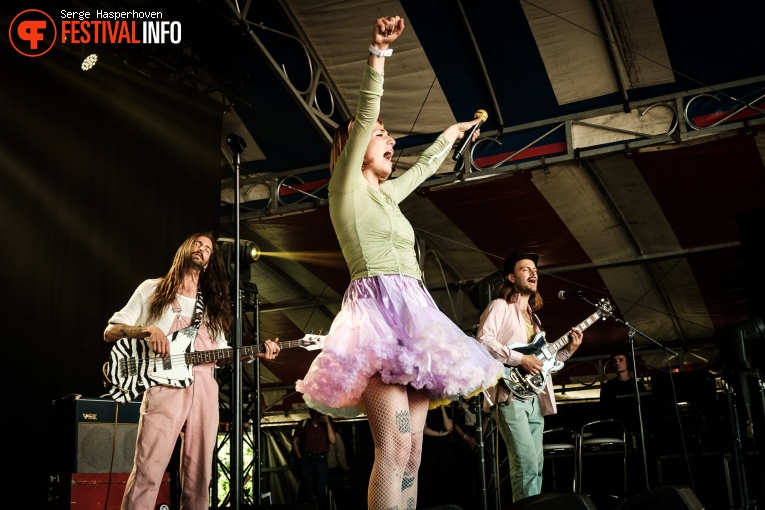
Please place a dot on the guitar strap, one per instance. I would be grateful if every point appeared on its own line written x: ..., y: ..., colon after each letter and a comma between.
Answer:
x: 191, y: 331
x: 199, y: 310
x: 535, y: 318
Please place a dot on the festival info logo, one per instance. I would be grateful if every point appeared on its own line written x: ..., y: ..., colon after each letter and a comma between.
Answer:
x: 33, y: 33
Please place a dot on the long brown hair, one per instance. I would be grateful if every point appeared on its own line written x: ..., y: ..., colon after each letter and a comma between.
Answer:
x: 213, y: 283
x: 506, y: 291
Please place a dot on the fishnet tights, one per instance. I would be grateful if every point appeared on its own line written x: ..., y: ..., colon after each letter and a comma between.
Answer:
x: 396, y: 415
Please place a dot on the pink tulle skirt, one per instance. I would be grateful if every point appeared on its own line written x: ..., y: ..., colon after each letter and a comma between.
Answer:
x: 390, y: 325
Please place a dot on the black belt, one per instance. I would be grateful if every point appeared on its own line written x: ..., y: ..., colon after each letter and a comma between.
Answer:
x: 314, y: 454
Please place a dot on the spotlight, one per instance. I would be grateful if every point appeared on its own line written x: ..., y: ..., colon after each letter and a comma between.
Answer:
x: 89, y: 62
x: 248, y: 253
x: 248, y: 250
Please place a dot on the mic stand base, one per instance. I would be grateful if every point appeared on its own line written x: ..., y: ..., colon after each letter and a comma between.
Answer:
x: 631, y: 335
x: 480, y: 449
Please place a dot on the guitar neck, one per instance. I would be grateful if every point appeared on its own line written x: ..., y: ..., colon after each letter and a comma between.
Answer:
x: 194, y: 358
x: 586, y: 323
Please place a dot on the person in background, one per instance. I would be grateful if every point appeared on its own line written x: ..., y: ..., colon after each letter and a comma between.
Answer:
x: 311, y: 441
x: 339, y: 471
x: 465, y: 422
x: 510, y: 321
x: 618, y: 402
x: 617, y: 395
x: 390, y: 353
x: 192, y: 299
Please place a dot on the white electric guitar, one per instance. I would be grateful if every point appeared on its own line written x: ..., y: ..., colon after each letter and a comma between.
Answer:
x: 133, y: 367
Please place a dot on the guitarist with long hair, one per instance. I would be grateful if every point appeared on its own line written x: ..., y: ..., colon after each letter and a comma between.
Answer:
x: 190, y: 303
x: 508, y: 324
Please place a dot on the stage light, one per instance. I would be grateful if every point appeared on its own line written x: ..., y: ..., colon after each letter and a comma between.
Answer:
x: 250, y: 251
x: 89, y: 62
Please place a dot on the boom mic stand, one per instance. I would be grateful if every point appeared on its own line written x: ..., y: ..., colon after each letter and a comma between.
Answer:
x: 631, y: 334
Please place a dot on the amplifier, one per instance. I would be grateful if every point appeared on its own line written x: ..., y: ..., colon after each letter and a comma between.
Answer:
x: 104, y: 491
x: 94, y: 435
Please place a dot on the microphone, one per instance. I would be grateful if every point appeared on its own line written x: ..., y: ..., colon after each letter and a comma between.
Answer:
x: 480, y: 114
x: 565, y: 294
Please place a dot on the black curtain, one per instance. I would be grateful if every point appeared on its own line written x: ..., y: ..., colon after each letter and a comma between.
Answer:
x: 102, y: 175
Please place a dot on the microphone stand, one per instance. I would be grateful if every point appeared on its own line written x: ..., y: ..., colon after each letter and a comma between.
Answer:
x: 464, y: 164
x: 237, y: 145
x: 258, y: 490
x: 631, y: 335
x: 631, y: 338
x: 464, y: 159
x: 480, y: 446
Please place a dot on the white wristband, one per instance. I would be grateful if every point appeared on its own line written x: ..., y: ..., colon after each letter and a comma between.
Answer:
x: 380, y: 53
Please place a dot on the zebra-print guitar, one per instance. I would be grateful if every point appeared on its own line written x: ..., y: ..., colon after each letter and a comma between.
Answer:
x: 133, y: 367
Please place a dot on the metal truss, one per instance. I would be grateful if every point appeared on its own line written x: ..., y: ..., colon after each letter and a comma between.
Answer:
x: 227, y: 433
x: 308, y: 97
x: 736, y: 116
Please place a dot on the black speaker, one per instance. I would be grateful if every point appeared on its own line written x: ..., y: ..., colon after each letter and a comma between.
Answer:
x: 483, y: 292
x: 670, y: 497
x: 551, y: 501
x: 93, y: 435
x: 752, y: 247
x: 710, y: 474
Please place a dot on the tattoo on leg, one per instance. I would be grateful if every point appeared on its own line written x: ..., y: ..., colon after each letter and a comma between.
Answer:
x: 406, y: 481
x: 403, y: 422
x: 411, y: 504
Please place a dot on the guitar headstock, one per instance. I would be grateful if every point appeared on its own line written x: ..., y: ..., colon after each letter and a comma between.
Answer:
x: 312, y: 342
x: 605, y: 306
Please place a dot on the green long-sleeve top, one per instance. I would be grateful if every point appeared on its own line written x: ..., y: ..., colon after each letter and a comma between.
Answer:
x: 374, y: 235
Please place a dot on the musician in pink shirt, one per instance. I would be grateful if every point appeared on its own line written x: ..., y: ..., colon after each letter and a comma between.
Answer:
x: 192, y: 299
x: 509, y: 322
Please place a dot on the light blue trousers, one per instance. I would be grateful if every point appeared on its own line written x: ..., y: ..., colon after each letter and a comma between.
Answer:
x: 521, y: 425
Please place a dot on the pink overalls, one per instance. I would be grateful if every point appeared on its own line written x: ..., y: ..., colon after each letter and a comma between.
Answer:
x: 166, y: 412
